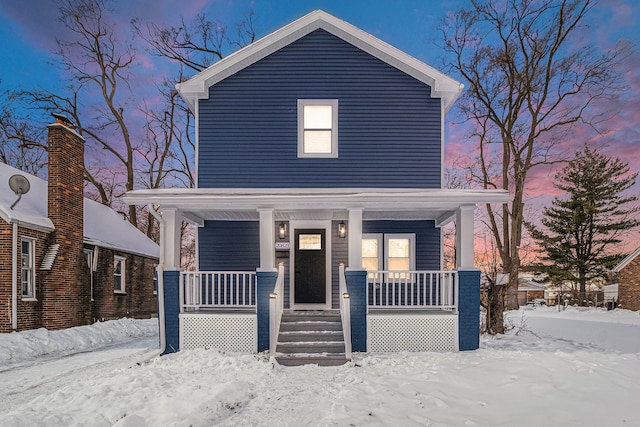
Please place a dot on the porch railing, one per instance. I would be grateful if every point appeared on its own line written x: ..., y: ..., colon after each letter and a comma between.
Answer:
x: 435, y: 290
x: 345, y: 312
x: 217, y: 289
x: 276, y: 307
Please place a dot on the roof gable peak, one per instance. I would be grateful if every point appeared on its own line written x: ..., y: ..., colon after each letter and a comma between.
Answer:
x: 442, y: 86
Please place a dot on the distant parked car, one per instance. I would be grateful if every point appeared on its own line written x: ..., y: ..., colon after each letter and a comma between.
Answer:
x: 535, y: 303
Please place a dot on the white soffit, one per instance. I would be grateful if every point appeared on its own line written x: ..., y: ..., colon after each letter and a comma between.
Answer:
x: 442, y: 86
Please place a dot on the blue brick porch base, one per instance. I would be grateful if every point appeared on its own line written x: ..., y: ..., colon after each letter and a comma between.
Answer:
x: 469, y: 309
x: 357, y: 288
x: 265, y: 284
x: 171, y: 305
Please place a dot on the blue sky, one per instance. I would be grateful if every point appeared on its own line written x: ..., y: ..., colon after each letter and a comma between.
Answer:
x: 28, y: 28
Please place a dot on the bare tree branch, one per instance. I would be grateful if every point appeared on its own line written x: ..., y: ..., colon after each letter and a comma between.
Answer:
x: 530, y: 82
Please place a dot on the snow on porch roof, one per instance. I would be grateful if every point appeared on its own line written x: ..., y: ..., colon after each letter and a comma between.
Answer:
x: 102, y: 225
x: 442, y: 86
x: 198, y: 205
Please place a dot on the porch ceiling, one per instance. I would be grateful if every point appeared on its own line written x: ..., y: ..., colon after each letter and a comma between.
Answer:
x: 198, y: 205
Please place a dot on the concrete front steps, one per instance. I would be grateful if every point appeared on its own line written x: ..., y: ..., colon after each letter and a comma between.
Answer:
x: 311, y: 337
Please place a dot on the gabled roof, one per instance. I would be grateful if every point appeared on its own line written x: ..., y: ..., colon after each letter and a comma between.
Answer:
x: 442, y: 86
x: 528, y: 285
x: 626, y: 261
x: 102, y: 225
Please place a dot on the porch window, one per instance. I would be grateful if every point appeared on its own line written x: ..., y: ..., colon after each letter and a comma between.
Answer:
x: 398, y: 252
x: 317, y: 128
x: 372, y: 252
x: 119, y: 276
x: 27, y: 261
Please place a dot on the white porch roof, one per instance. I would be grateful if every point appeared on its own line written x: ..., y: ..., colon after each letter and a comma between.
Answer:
x: 201, y: 204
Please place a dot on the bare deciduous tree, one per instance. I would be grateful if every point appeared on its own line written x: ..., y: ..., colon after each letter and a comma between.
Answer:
x: 198, y: 44
x: 96, y: 63
x: 531, y: 80
x: 20, y: 142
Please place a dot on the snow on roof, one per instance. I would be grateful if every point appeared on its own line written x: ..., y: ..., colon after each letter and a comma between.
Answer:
x: 528, y: 285
x: 442, y: 86
x: 102, y: 225
x: 31, y: 210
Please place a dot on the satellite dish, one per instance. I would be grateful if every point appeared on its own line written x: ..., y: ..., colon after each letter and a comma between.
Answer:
x: 19, y: 185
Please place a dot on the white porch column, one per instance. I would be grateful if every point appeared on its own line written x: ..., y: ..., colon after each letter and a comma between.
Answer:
x: 267, y: 239
x: 464, y: 237
x: 354, y: 233
x: 170, y: 238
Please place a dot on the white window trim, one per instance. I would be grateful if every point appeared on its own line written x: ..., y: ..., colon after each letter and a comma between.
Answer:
x: 32, y: 259
x: 88, y: 256
x: 155, y: 279
x: 123, y: 274
x: 334, y: 127
x: 412, y: 248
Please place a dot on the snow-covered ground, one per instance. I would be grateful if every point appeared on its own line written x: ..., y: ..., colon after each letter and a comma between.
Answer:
x: 569, y: 368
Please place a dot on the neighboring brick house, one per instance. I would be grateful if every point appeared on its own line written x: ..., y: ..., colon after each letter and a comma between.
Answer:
x: 529, y: 291
x: 628, y: 278
x: 66, y: 260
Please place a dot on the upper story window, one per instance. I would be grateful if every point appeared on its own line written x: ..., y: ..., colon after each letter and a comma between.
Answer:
x: 317, y: 128
x: 119, y: 275
x: 27, y: 262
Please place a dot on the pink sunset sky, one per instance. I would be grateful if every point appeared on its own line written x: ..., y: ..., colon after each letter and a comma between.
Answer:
x: 28, y: 30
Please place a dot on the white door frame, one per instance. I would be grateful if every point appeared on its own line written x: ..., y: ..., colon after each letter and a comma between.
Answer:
x: 326, y: 225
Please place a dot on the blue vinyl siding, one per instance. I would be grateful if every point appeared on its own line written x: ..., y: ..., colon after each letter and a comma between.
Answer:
x: 427, y: 239
x: 229, y: 246
x: 339, y: 254
x: 389, y: 132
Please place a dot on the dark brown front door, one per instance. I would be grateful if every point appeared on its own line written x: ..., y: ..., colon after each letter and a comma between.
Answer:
x: 310, y: 267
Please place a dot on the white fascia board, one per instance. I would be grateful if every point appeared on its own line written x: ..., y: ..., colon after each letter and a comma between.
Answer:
x: 442, y: 86
x: 106, y: 245
x: 626, y: 261
x: 300, y: 199
x: 37, y: 224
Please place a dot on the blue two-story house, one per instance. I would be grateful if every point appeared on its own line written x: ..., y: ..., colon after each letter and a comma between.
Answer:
x: 319, y: 204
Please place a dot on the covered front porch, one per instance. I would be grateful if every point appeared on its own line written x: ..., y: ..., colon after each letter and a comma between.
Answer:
x: 382, y: 309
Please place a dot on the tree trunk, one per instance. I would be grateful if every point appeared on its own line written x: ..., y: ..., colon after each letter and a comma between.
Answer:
x: 495, y: 309
x: 511, y: 297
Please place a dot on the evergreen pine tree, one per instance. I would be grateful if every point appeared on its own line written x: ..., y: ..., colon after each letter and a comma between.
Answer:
x: 581, y: 230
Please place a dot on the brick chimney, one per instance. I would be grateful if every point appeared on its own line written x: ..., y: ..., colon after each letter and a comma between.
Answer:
x: 66, y: 292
